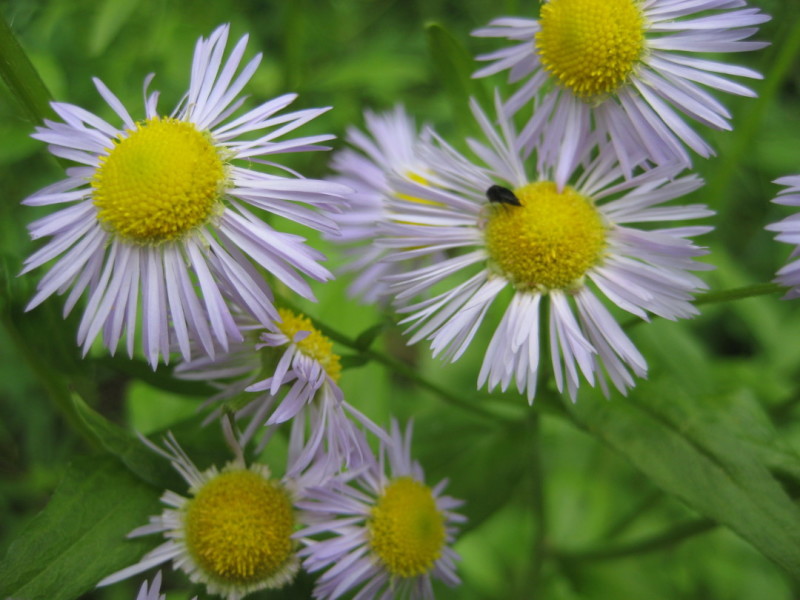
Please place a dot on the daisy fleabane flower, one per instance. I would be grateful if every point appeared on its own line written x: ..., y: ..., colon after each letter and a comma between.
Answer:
x: 789, y: 232
x: 234, y: 531
x: 162, y: 213
x: 285, y: 370
x: 388, y: 144
x: 557, y: 249
x: 387, y: 533
x: 629, y: 68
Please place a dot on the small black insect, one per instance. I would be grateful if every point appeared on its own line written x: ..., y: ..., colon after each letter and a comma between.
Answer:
x: 497, y: 193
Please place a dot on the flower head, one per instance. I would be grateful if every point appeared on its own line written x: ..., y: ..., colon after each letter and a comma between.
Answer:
x: 162, y: 213
x: 392, y: 532
x: 233, y: 533
x: 626, y: 66
x: 551, y: 245
x: 789, y: 232
x: 285, y: 370
x: 387, y: 146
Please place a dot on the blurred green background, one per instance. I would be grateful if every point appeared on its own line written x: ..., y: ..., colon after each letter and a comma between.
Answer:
x: 738, y: 362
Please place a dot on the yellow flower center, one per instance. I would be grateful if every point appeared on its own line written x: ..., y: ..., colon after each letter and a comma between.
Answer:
x: 591, y: 46
x: 239, y: 527
x: 549, y: 242
x: 315, y: 345
x: 159, y: 181
x: 406, y: 530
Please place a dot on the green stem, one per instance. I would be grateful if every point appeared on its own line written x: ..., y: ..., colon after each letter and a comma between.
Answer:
x: 22, y: 78
x: 619, y: 526
x: 540, y: 550
x: 748, y: 291
x: 653, y: 543
x: 411, y: 373
x: 401, y: 368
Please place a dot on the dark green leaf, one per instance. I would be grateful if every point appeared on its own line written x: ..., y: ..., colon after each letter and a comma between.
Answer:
x: 79, y: 538
x: 484, y: 466
x: 21, y: 77
x: 142, y: 461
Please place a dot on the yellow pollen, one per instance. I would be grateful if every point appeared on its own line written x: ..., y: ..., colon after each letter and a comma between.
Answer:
x: 549, y: 242
x: 315, y: 345
x: 239, y: 527
x: 406, y: 530
x: 159, y: 181
x: 591, y: 46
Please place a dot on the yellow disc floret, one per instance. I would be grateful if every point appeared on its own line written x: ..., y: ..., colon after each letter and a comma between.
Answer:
x: 159, y: 181
x: 591, y: 46
x: 406, y: 530
x: 549, y: 242
x: 238, y: 528
x: 314, y: 345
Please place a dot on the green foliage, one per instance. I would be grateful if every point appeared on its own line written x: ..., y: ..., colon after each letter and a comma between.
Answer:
x: 686, y: 488
x: 686, y: 449
x: 76, y: 540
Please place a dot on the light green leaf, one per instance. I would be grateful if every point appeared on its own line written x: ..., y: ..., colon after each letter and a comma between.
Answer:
x: 79, y: 538
x: 109, y: 19
x: 454, y: 67
x: 686, y: 449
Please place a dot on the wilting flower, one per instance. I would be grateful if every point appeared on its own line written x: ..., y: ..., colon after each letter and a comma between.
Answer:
x: 284, y: 370
x: 160, y: 218
x: 629, y: 67
x: 557, y: 248
x: 388, y: 534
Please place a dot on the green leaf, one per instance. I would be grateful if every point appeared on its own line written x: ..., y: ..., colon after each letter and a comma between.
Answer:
x: 109, y: 19
x: 454, y: 67
x: 739, y: 414
x: 79, y: 538
x: 21, y: 77
x: 683, y: 446
x: 141, y: 461
x: 484, y: 466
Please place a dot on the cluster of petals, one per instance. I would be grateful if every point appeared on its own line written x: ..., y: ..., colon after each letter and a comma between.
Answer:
x: 298, y: 390
x: 642, y: 271
x: 416, y: 223
x: 343, y: 505
x: 388, y: 145
x: 666, y: 86
x: 182, y: 288
x: 788, y: 231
